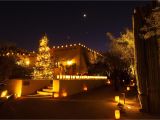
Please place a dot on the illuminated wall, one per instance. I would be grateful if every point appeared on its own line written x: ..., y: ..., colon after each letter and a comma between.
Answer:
x: 26, y: 87
x: 31, y: 86
x: 15, y: 87
x: 76, y: 86
x: 78, y: 54
x: 56, y: 85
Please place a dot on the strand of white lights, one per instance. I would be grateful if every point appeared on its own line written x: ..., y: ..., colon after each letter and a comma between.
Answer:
x: 79, y: 45
x: 77, y: 77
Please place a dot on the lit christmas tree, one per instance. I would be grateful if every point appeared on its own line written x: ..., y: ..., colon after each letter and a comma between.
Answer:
x: 43, y: 69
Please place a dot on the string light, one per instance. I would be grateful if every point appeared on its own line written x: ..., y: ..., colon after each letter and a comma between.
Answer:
x: 43, y: 68
x: 80, y: 45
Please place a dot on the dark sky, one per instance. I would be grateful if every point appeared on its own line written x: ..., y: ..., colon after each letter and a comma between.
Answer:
x: 24, y: 23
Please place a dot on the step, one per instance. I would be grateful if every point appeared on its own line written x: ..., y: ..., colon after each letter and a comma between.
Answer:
x: 49, y: 87
x: 44, y: 93
x: 38, y: 96
x: 48, y: 90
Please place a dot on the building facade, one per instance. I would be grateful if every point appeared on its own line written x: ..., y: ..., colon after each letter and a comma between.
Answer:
x: 73, y: 59
x: 69, y: 59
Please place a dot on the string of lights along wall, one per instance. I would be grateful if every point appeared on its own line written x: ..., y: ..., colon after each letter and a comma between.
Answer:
x: 74, y: 45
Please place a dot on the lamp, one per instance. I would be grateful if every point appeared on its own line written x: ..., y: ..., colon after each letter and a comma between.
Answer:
x: 69, y: 62
x: 85, y: 88
x: 64, y: 94
x: 117, y: 99
x: 56, y: 95
x: 128, y: 88
x: 4, y: 93
x: 117, y: 114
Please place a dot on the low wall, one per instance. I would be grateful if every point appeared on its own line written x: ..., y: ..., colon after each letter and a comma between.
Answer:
x: 14, y: 86
x: 31, y: 86
x: 26, y: 87
x: 76, y: 86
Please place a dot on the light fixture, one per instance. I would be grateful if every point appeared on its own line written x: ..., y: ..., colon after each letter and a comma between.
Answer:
x: 128, y: 88
x: 64, y: 94
x: 27, y: 61
x: 4, y: 93
x: 69, y: 62
x: 85, y: 88
x: 117, y: 99
x: 108, y: 82
x: 56, y: 95
x: 117, y: 114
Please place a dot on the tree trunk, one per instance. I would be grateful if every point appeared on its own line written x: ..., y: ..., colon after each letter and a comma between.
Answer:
x: 147, y: 57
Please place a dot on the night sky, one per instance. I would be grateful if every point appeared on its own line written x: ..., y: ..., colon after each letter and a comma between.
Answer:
x: 24, y: 23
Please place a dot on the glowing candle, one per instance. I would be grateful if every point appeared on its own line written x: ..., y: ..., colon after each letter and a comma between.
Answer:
x: 4, y: 93
x: 117, y: 99
x: 128, y: 88
x: 117, y: 114
x: 85, y: 88
x: 64, y: 94
x: 56, y: 95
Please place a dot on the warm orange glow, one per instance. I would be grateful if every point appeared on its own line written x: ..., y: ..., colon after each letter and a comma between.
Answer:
x: 17, y: 95
x: 108, y: 82
x: 128, y: 107
x: 128, y: 88
x: 64, y: 94
x: 18, y: 90
x: 27, y: 61
x: 44, y: 93
x: 7, y: 96
x: 117, y: 114
x: 117, y: 99
x: 4, y: 93
x: 55, y: 85
x: 70, y: 62
x: 132, y: 84
x: 64, y: 77
x: 43, y: 61
x: 56, y: 95
x: 85, y: 88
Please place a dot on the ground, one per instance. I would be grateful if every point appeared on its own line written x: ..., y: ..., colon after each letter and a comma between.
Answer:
x: 96, y: 104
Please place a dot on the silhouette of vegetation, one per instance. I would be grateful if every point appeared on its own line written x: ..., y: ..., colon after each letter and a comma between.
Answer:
x: 120, y: 58
x: 8, y: 67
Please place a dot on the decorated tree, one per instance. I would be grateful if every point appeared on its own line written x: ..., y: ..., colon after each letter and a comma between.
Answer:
x: 43, y: 69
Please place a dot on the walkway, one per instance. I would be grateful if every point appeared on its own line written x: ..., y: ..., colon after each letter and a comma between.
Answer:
x: 95, y: 104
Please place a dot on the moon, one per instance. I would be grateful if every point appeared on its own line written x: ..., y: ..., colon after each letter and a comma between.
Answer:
x: 84, y: 15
